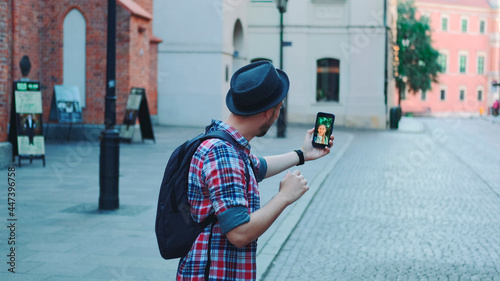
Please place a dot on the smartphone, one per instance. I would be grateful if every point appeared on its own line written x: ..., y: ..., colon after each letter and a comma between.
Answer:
x: 323, y: 129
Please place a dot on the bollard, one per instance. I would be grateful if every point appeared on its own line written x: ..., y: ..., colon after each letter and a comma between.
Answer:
x: 393, y: 118
x: 109, y: 170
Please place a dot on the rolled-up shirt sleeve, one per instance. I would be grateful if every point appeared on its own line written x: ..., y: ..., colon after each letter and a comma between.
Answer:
x: 232, y: 218
x: 261, y: 169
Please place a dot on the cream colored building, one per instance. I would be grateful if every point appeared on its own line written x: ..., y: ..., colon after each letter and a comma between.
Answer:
x: 338, y: 61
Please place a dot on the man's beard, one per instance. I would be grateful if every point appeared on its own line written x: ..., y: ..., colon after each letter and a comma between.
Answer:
x: 264, y: 128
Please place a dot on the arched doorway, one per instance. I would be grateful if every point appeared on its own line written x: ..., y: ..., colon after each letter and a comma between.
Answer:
x: 74, y: 52
x: 239, y: 46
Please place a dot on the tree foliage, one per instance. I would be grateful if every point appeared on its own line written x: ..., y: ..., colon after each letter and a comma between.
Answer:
x: 418, y: 61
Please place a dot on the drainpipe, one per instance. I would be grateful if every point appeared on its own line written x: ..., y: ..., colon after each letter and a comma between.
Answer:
x: 386, y: 71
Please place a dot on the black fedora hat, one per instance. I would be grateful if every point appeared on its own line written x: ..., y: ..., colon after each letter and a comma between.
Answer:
x: 256, y: 88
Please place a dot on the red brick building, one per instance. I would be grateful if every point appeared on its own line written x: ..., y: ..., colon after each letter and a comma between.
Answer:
x: 36, y: 28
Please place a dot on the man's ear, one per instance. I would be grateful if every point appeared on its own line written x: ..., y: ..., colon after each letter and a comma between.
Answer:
x: 268, y: 114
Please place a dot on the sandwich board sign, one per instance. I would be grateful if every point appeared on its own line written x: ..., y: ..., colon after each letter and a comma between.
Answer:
x: 137, y: 107
x: 26, y: 121
x: 65, y: 106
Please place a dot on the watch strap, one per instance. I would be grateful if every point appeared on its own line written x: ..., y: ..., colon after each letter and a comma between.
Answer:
x: 301, y: 157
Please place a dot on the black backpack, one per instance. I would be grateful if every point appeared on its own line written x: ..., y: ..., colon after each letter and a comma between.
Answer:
x: 175, y: 229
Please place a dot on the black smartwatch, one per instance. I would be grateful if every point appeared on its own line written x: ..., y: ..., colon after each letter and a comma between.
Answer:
x: 301, y: 156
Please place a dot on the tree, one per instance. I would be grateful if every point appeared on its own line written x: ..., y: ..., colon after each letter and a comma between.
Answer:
x: 418, y: 61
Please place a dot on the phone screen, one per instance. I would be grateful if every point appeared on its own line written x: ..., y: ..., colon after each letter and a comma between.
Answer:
x: 323, y: 129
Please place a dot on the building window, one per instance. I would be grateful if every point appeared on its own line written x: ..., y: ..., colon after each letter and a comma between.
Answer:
x: 463, y: 25
x: 480, y: 65
x: 482, y: 27
x: 462, y: 94
x: 463, y: 63
x: 479, y: 95
x: 327, y: 80
x: 444, y: 24
x: 442, y: 95
x: 443, y: 59
x: 424, y: 95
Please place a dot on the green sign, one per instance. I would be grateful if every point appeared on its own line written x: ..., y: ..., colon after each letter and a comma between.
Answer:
x: 27, y: 86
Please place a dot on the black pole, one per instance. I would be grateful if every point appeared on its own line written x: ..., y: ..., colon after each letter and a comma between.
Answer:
x: 281, y: 40
x: 282, y: 116
x: 110, y: 138
x: 386, y: 56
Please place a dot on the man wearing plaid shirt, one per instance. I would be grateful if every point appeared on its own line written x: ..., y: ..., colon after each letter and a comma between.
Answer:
x: 226, y: 250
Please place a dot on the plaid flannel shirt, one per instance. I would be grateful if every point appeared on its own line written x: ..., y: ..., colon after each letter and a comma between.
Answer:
x: 217, y: 183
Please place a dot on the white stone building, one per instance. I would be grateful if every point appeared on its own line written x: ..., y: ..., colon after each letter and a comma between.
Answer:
x: 338, y: 61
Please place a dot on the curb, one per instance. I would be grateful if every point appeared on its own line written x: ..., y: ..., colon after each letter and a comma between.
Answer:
x: 491, y: 119
x: 272, y: 247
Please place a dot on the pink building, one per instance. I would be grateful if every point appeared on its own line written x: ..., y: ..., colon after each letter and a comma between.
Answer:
x: 466, y: 34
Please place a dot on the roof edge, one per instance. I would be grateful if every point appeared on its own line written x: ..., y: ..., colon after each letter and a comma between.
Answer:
x: 135, y: 9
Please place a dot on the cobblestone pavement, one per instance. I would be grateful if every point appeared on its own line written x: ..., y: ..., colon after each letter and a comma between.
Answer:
x: 403, y: 206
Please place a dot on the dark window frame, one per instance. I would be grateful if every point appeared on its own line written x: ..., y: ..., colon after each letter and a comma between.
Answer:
x: 328, y: 80
x: 461, y: 94
x: 482, y: 27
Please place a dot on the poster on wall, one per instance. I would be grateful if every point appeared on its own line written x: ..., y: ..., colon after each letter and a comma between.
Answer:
x: 137, y: 107
x: 65, y: 106
x: 26, y: 125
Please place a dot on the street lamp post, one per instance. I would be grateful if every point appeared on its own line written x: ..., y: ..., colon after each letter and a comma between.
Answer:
x: 281, y: 5
x: 110, y: 138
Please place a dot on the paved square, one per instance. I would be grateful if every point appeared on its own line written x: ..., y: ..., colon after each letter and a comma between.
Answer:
x: 402, y: 206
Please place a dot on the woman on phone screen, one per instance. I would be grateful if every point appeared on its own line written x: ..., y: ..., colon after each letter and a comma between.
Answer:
x: 320, y: 137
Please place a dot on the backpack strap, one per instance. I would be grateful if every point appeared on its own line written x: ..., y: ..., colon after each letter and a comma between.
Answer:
x: 223, y: 136
x: 227, y: 137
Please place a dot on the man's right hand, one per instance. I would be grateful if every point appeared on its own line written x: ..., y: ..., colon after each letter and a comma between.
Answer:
x: 292, y: 187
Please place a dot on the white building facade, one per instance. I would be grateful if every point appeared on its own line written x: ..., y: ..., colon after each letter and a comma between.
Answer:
x: 339, y: 57
x: 195, y: 60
